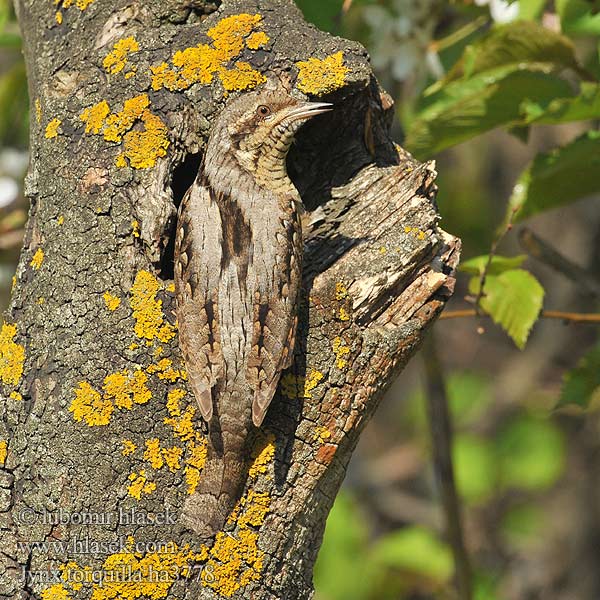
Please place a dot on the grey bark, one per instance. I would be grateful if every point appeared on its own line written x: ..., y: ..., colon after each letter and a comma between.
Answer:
x: 378, y: 270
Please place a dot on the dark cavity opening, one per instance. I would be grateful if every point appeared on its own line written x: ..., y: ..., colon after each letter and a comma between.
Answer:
x: 184, y: 176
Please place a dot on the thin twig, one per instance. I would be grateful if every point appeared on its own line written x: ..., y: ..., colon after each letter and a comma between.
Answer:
x: 346, y: 6
x: 441, y: 437
x: 545, y: 253
x: 491, y: 255
x: 571, y: 317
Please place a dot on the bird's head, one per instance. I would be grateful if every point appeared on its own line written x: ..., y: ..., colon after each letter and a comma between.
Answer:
x: 258, y: 128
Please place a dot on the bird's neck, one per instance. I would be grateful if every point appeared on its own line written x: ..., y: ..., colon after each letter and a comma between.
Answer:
x: 269, y: 180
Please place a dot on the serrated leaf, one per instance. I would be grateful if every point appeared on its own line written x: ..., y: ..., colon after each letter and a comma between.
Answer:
x: 499, y: 264
x: 583, y: 382
x: 559, y: 177
x: 514, y: 300
x: 416, y: 550
x: 579, y: 17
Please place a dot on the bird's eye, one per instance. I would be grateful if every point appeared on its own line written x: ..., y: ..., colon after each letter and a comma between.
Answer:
x: 263, y: 111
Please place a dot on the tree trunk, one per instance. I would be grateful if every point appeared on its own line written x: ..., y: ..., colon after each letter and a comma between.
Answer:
x: 100, y: 439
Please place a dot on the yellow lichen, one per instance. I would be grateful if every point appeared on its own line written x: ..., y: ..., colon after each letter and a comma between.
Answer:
x: 116, y: 60
x: 12, y: 356
x: 89, y: 405
x: 52, y: 129
x: 56, y: 592
x: 153, y: 453
x: 38, y: 259
x: 60, y: 220
x: 165, y: 371
x: 112, y: 302
x: 407, y: 229
x: 343, y: 314
x: 294, y: 386
x: 182, y: 426
x: 341, y: 351
x: 311, y: 382
x: 199, y: 64
x: 194, y: 463
x: 80, y: 4
x: 135, y: 228
x: 140, y: 485
x: 172, y: 457
x: 382, y: 250
x: 171, y: 288
x: 257, y: 40
x: 3, y: 452
x: 122, y: 389
x: 128, y: 448
x: 94, y: 117
x: 125, y: 388
x: 15, y: 396
x: 263, y: 455
x: 241, y: 77
x: 158, y: 457
x: 319, y: 77
x: 321, y: 434
x: 147, y: 310
x: 192, y: 478
x: 58, y: 17
x: 236, y: 561
x: 341, y: 291
x: 141, y: 147
x: 174, y: 398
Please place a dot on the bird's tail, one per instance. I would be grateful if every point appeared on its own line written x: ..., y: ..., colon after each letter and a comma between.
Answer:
x: 223, y: 477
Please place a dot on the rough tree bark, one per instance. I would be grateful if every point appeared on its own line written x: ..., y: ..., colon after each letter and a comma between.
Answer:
x: 97, y: 427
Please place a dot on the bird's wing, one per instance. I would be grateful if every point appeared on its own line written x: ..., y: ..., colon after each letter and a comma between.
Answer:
x: 197, y: 267
x: 275, y: 322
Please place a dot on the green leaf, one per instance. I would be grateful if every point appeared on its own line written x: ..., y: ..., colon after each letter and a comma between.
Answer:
x: 475, y: 468
x: 499, y: 264
x: 560, y: 177
x: 515, y: 44
x: 416, y: 550
x: 516, y: 66
x: 513, y: 299
x: 531, y: 454
x: 565, y: 110
x: 579, y: 17
x: 582, y: 384
x: 464, y: 109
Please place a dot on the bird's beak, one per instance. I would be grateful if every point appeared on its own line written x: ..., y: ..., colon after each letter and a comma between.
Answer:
x: 307, y: 110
